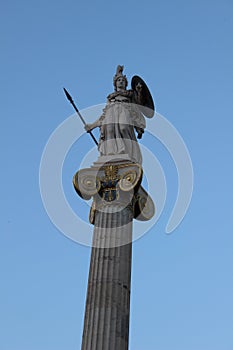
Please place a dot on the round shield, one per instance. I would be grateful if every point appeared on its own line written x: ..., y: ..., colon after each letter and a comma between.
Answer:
x: 147, y: 107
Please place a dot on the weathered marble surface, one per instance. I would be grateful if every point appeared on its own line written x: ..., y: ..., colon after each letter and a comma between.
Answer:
x: 106, y: 324
x: 114, y: 184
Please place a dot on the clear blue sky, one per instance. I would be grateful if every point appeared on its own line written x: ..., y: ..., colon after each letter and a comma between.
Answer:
x: 182, y: 285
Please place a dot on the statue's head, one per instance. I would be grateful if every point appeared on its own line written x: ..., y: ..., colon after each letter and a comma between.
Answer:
x: 120, y: 81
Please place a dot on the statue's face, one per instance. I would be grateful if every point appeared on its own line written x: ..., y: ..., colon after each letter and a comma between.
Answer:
x: 121, y: 83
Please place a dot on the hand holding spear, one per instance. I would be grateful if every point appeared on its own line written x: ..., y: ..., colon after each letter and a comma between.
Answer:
x: 79, y: 114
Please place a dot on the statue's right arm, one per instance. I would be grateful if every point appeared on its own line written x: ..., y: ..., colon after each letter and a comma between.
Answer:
x: 98, y: 122
x: 89, y: 127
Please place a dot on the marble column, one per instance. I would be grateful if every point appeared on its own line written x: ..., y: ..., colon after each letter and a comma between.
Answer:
x: 106, y: 324
x: 118, y: 198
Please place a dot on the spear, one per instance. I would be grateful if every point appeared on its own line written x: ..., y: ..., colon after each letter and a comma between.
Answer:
x: 79, y: 114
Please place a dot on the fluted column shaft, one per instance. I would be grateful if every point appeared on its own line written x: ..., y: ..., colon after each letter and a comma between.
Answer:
x: 106, y: 323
